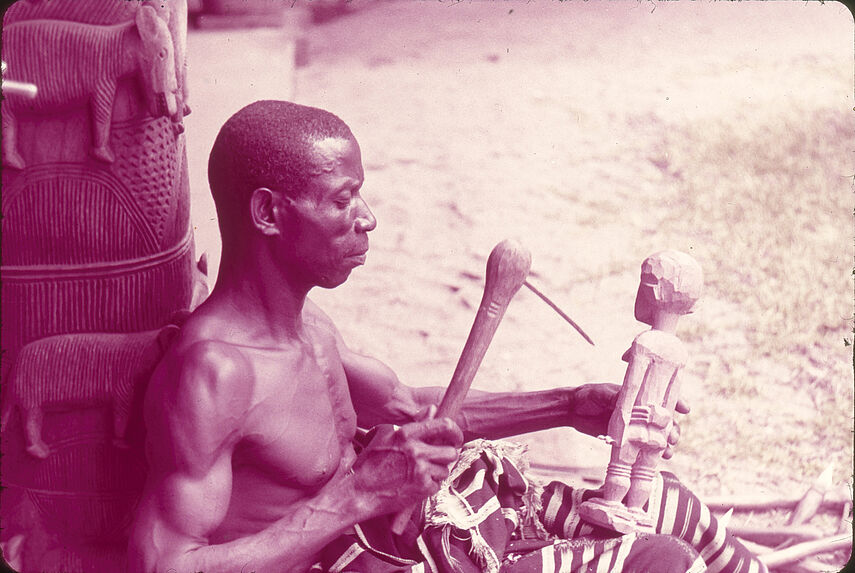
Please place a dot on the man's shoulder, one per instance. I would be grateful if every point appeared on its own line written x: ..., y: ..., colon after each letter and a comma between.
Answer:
x: 201, y: 363
x: 198, y: 396
x: 194, y: 352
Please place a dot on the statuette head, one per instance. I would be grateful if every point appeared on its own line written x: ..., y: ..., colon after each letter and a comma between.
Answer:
x: 671, y: 281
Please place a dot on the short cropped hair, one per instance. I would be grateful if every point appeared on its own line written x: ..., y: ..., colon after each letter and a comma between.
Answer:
x: 266, y: 144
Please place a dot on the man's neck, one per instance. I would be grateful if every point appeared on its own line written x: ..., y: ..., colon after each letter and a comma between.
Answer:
x: 264, y: 295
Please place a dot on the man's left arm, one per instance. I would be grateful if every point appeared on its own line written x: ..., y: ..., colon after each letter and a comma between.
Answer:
x: 380, y: 397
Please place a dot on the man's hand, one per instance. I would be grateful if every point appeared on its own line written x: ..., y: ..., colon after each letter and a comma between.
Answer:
x: 674, y: 435
x: 592, y: 406
x: 404, y: 466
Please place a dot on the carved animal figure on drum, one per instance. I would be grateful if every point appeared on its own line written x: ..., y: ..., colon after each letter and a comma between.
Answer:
x: 639, y: 428
x: 75, y: 64
x: 96, y: 369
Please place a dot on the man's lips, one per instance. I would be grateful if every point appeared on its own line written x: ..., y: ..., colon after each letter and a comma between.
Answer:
x: 358, y: 256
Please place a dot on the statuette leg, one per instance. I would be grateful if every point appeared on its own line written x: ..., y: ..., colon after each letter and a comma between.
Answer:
x: 609, y: 510
x: 33, y: 418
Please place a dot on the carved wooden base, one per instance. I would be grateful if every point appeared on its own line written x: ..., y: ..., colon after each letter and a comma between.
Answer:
x: 97, y: 257
x: 615, y: 516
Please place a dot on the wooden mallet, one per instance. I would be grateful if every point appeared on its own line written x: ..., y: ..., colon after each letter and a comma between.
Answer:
x: 507, y: 268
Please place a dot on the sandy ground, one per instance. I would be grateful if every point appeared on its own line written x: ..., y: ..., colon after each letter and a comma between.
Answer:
x: 570, y: 126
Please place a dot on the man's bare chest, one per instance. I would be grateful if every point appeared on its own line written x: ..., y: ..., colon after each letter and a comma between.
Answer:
x: 301, y: 422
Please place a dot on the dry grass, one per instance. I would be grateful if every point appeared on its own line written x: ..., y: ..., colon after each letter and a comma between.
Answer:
x: 765, y: 198
x: 768, y: 202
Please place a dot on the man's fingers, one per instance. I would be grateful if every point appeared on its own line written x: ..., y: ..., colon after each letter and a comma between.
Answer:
x: 439, y: 473
x: 674, y: 435
x: 441, y: 455
x: 673, y: 438
x: 682, y: 407
x: 436, y: 466
x: 434, y: 431
x: 428, y: 413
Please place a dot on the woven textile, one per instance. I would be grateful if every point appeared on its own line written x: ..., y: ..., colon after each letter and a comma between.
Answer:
x: 489, y: 517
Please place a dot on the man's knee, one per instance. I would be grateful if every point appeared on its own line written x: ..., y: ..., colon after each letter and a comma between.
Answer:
x: 660, y: 554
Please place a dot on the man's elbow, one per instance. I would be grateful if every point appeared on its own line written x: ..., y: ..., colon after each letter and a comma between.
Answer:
x: 140, y: 558
x: 151, y: 550
x: 152, y: 559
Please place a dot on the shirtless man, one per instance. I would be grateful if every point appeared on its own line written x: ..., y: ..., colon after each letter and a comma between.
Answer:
x: 251, y: 414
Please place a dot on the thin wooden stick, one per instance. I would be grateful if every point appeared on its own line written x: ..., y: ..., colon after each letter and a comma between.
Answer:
x: 813, y: 565
x: 756, y: 548
x: 802, y: 550
x: 774, y: 535
x: 845, y: 519
x: 809, y: 503
x: 560, y: 312
x: 594, y: 471
x: 11, y: 87
x: 835, y: 498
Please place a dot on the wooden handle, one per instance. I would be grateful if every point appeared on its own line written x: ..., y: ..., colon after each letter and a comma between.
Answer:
x: 507, y: 268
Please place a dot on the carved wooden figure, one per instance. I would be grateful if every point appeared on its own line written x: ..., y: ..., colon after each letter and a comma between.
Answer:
x: 75, y: 63
x: 97, y: 256
x: 86, y: 242
x: 671, y: 283
x: 97, y: 369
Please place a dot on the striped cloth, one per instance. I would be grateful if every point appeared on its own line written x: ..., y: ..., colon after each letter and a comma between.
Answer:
x: 488, y: 517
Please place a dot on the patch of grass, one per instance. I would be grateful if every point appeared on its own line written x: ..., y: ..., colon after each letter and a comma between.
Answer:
x: 767, y: 203
x: 769, y: 200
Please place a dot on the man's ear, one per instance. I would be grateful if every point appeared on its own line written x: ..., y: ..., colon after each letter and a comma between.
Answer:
x: 262, y: 208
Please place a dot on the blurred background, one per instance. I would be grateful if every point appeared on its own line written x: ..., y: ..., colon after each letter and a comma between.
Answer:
x: 596, y: 133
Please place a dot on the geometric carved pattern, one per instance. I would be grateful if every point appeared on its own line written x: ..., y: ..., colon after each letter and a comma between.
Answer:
x: 97, y: 249
x: 147, y: 161
x: 68, y: 215
x: 123, y: 296
x: 97, y: 511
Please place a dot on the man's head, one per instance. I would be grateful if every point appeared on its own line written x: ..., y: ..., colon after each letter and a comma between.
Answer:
x: 671, y: 281
x: 266, y: 144
x: 289, y: 175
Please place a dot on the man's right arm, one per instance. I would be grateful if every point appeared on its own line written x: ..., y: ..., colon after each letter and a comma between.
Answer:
x: 165, y: 539
x: 190, y: 478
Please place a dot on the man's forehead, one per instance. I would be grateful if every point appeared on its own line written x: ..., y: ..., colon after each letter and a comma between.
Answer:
x: 329, y: 152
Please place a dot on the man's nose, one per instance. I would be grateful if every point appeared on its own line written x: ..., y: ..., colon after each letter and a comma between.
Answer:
x: 365, y: 220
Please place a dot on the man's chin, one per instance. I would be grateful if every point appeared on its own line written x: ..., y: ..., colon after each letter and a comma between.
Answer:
x: 332, y: 281
x: 341, y: 271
